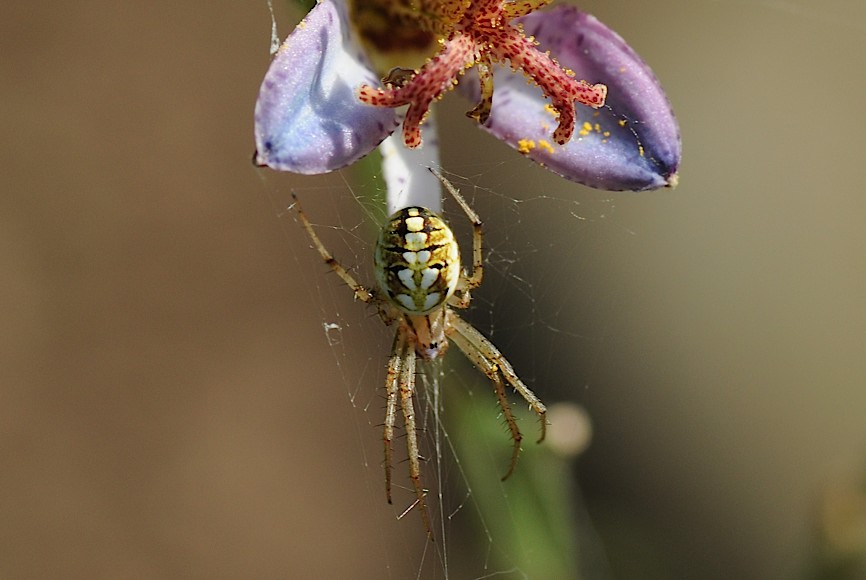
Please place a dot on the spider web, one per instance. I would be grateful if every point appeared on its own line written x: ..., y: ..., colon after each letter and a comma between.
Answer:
x: 516, y: 307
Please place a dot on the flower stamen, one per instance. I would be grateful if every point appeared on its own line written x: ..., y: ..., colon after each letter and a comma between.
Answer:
x: 480, y: 36
x: 431, y: 82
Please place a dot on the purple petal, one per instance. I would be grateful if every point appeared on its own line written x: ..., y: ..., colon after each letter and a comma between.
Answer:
x: 308, y: 118
x: 631, y: 144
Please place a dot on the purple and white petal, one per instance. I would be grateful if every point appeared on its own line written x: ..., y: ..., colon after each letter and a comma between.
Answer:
x: 631, y: 144
x: 308, y: 118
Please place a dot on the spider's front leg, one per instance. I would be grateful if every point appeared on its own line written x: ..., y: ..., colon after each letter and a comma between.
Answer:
x: 490, y: 369
x: 392, y: 390
x: 400, y: 383
x: 487, y: 358
x: 407, y: 389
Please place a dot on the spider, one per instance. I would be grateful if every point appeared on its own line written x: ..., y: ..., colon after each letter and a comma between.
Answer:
x: 420, y: 282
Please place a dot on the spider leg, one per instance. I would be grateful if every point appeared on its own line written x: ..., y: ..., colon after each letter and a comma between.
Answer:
x: 362, y: 293
x: 470, y: 340
x: 490, y: 369
x: 509, y: 420
x: 407, y: 388
x: 392, y: 388
x: 473, y: 280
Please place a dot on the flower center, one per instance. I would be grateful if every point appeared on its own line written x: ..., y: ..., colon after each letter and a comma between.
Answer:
x: 469, y: 33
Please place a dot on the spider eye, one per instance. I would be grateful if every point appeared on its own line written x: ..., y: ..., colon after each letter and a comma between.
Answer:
x: 417, y: 261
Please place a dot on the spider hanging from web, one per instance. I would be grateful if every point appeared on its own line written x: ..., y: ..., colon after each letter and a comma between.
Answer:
x: 420, y: 282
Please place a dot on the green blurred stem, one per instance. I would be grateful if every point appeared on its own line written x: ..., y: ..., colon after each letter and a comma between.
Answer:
x: 530, y: 517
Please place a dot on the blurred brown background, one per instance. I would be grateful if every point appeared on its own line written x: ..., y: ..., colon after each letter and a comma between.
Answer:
x: 169, y: 406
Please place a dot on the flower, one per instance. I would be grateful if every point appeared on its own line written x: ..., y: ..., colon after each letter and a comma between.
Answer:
x: 322, y: 106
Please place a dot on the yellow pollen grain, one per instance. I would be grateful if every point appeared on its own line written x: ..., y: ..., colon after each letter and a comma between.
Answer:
x: 585, y: 129
x: 542, y: 144
x: 621, y: 122
x: 550, y: 109
x: 525, y: 145
x: 640, y: 148
x: 597, y: 128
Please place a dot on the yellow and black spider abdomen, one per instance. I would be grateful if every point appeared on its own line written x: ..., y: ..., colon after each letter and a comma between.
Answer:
x: 417, y: 260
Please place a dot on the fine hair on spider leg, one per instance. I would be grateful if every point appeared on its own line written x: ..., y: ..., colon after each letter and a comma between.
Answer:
x: 420, y: 280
